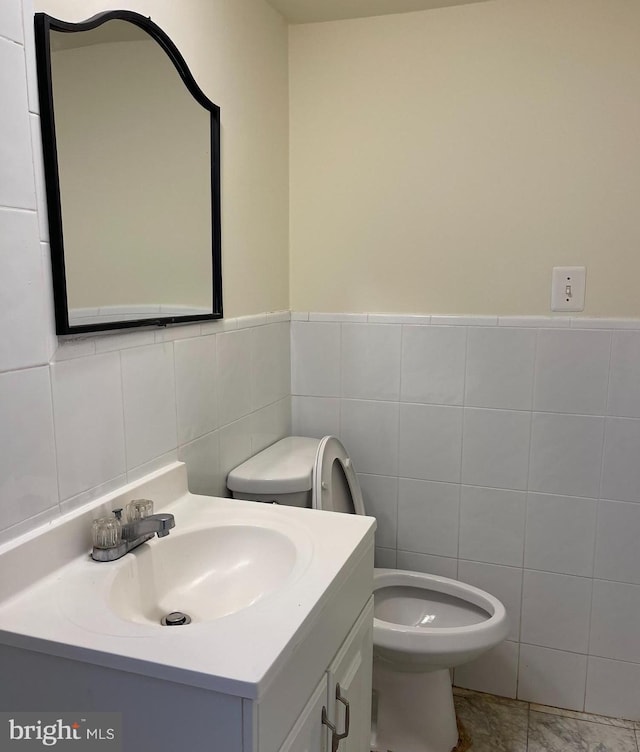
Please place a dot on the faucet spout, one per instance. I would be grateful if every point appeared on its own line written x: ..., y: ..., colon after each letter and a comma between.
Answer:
x: 155, y: 524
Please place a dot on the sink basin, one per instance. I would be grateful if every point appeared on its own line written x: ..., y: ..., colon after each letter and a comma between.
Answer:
x: 206, y: 573
x: 257, y: 580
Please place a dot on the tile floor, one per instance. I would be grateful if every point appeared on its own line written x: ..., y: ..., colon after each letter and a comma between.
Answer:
x: 495, y: 724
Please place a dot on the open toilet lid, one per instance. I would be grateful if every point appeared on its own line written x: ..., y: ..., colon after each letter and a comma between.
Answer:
x: 335, y: 483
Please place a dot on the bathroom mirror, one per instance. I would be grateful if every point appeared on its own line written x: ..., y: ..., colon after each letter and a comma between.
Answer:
x: 132, y: 171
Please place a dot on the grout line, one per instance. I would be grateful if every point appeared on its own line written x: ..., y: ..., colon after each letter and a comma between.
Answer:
x: 340, y: 365
x: 21, y: 209
x: 518, y: 653
x: 397, y: 484
x: 5, y: 38
x: 55, y: 436
x: 533, y: 392
x: 44, y: 364
x: 526, y: 500
x: 466, y: 366
x: 124, y: 419
x: 595, y: 536
x: 604, y: 426
x: 462, y: 423
x: 402, y: 348
x: 397, y: 447
x: 175, y: 391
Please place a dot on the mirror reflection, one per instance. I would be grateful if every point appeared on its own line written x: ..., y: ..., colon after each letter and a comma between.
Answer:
x: 134, y: 158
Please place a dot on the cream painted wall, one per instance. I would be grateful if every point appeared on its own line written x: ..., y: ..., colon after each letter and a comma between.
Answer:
x: 444, y: 161
x: 237, y: 52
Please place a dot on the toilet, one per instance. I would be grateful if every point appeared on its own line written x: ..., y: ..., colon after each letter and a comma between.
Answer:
x: 424, y: 625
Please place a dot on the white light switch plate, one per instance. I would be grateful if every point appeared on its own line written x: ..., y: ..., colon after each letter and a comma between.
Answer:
x: 568, y: 288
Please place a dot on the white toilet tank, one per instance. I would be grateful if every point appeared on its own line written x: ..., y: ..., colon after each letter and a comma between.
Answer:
x: 282, y: 473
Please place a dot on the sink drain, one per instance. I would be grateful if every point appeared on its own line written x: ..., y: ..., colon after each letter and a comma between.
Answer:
x: 175, y: 619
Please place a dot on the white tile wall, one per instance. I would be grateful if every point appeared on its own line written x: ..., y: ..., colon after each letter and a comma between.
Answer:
x: 621, y: 471
x: 17, y: 188
x: 235, y: 444
x: 89, y: 422
x: 234, y: 372
x: 368, y: 357
x: 624, y: 383
x: 38, y: 166
x: 196, y: 391
x: 370, y: 430
x: 571, y: 371
x: 316, y: 416
x: 11, y: 21
x: 28, y: 477
x: 492, y: 525
x: 515, y: 446
x: 380, y: 496
x: 270, y: 364
x: 428, y: 517
x: 613, y: 688
x: 23, y: 340
x: 496, y: 671
x: 432, y: 365
x: 555, y: 611
x: 503, y: 582
x: 496, y: 448
x: 615, y: 616
x: 202, y: 457
x: 560, y: 534
x: 552, y: 677
x: 617, y: 555
x: 270, y: 423
x: 430, y: 442
x: 385, y: 558
x: 500, y: 367
x: 315, y: 359
x: 566, y: 454
x: 443, y: 566
x: 129, y: 408
x: 149, y: 392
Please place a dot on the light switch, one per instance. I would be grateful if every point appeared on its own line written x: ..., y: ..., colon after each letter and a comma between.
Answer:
x: 568, y: 288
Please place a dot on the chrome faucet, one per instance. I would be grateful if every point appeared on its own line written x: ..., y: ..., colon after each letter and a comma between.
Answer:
x: 133, y: 534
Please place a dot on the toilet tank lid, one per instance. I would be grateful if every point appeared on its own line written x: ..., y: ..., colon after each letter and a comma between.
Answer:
x: 284, y: 467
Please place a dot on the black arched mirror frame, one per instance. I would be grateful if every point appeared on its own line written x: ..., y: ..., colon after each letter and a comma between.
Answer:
x: 44, y: 24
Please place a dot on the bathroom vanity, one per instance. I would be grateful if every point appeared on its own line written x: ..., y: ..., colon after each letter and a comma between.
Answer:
x: 280, y: 641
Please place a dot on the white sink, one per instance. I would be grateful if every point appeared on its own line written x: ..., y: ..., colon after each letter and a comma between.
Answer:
x: 253, y: 578
x: 214, y: 566
x: 207, y: 573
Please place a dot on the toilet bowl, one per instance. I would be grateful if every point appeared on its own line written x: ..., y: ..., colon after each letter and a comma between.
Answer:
x: 423, y: 622
x: 424, y: 625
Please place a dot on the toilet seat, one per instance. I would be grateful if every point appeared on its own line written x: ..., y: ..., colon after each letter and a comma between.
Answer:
x: 453, y: 644
x: 335, y: 483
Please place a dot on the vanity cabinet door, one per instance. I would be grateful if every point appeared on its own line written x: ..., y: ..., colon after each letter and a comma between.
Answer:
x: 308, y: 733
x: 349, y: 682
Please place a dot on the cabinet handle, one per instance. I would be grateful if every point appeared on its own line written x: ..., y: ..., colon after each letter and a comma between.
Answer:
x: 335, y: 741
x: 335, y: 736
x: 327, y: 722
x: 347, y: 713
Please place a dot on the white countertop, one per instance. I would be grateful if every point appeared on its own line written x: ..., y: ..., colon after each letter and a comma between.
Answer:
x: 56, y: 603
